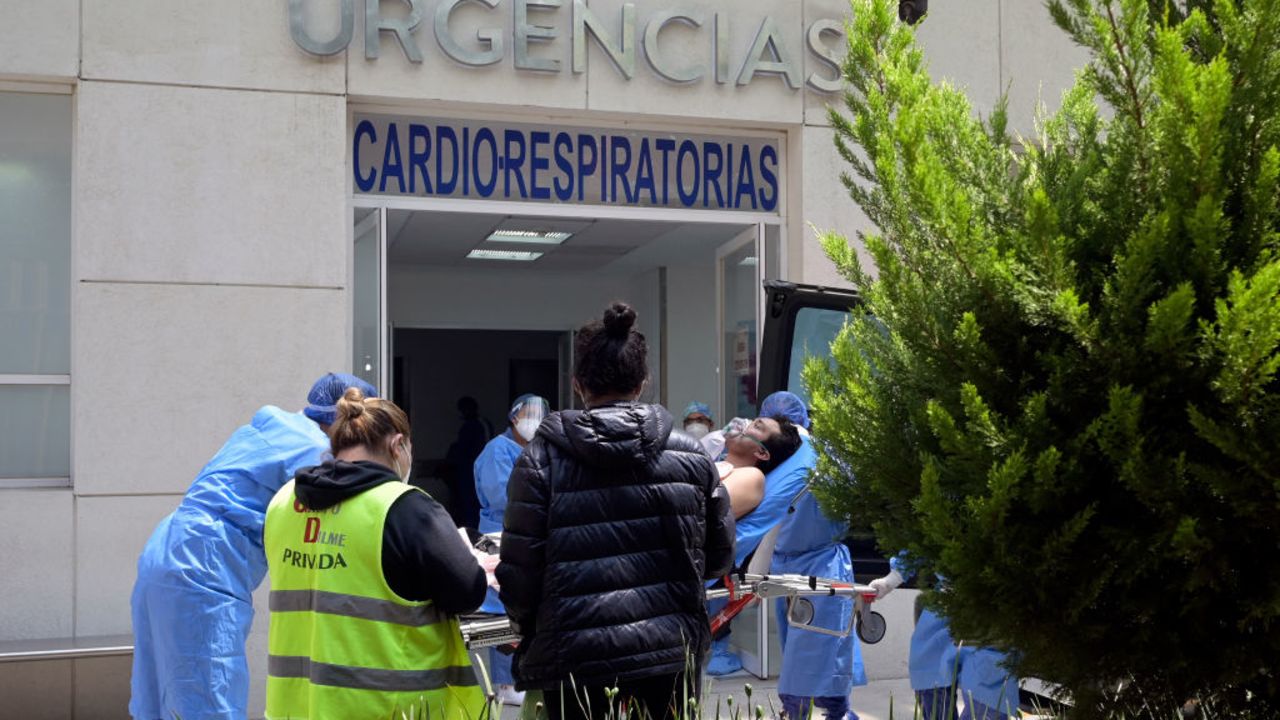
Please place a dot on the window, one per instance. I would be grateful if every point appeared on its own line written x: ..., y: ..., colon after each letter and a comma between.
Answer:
x: 35, y: 290
x: 815, y: 329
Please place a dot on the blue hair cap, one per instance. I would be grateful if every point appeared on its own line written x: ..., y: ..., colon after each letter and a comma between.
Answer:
x: 322, y: 401
x: 698, y: 407
x: 788, y: 405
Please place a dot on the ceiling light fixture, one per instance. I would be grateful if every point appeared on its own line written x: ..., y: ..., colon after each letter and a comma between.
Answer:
x: 535, y: 237
x: 510, y: 255
x: 749, y: 261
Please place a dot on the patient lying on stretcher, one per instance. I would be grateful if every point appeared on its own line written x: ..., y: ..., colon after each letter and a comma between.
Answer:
x: 751, y: 451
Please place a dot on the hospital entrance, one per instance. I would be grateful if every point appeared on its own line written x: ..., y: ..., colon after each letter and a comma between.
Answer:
x: 458, y: 313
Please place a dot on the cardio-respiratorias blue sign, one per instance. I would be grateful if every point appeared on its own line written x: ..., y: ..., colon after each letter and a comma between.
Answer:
x: 503, y: 161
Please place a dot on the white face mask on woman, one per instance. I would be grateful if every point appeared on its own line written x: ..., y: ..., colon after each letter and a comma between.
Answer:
x: 697, y: 430
x: 527, y: 427
x: 408, y: 466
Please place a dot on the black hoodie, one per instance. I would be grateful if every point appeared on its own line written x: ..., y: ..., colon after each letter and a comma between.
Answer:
x: 613, y: 522
x: 423, y: 558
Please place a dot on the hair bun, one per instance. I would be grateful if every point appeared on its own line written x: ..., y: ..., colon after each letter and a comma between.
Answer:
x: 351, y: 405
x: 618, y: 319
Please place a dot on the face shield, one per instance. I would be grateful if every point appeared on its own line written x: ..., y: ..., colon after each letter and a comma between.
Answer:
x: 527, y: 413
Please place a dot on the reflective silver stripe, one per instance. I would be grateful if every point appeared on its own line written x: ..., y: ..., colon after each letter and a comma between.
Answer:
x: 359, y: 678
x: 332, y: 603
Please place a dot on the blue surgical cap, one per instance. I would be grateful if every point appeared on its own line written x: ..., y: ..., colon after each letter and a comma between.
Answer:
x: 787, y: 405
x: 698, y: 407
x: 529, y: 399
x: 322, y: 401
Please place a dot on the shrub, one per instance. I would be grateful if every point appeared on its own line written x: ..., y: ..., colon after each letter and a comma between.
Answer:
x: 1065, y: 396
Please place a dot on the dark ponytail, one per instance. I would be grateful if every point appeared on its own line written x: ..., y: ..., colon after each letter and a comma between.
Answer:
x: 610, y: 355
x: 618, y: 320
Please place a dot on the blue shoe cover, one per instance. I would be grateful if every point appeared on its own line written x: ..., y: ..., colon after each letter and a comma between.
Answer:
x: 723, y: 662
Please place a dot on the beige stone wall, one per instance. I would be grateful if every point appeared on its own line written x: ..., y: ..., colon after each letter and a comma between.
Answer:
x: 211, y: 229
x: 39, y: 40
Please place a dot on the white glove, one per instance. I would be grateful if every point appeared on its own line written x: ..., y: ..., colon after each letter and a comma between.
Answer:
x: 488, y: 562
x: 887, y: 584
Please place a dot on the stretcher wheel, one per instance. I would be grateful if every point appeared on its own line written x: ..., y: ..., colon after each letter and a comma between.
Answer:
x: 872, y: 627
x: 800, y: 611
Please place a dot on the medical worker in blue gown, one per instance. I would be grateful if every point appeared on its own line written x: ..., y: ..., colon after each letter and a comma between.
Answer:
x: 781, y: 485
x: 192, y: 602
x: 939, y: 666
x: 492, y: 470
x: 818, y: 671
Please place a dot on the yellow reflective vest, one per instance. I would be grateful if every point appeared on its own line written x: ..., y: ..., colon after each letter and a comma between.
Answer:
x: 342, y: 643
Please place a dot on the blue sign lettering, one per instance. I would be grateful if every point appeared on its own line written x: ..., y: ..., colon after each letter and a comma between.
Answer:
x: 505, y: 161
x: 364, y: 129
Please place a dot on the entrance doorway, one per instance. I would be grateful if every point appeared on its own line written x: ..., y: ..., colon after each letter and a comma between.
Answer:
x: 451, y: 303
x: 694, y: 283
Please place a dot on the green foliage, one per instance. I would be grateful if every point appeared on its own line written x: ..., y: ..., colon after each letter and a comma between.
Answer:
x: 1066, y: 396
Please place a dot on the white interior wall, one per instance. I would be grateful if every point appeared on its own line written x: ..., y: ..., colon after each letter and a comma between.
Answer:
x: 434, y: 297
x: 691, y: 338
x: 431, y: 297
x: 644, y: 294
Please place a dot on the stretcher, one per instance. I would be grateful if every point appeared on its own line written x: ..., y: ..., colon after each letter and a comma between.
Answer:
x: 742, y: 591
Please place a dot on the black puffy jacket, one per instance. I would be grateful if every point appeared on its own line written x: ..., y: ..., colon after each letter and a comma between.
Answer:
x: 612, y: 525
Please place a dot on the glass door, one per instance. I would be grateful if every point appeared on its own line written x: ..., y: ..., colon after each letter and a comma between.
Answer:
x: 369, y: 298
x: 737, y: 275
x: 741, y: 266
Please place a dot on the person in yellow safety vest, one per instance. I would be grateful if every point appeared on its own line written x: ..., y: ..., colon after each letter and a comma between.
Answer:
x: 368, y: 575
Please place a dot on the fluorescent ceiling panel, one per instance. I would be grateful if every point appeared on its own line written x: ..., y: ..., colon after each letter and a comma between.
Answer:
x: 534, y: 237
x: 508, y: 255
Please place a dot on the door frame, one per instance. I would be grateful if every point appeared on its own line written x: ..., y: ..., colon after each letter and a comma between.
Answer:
x: 357, y: 230
x: 382, y: 203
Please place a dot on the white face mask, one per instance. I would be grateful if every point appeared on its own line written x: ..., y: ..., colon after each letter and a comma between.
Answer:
x: 697, y: 430
x: 526, y: 427
x: 408, y: 467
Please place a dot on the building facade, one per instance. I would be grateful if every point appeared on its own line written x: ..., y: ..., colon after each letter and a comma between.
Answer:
x: 205, y: 206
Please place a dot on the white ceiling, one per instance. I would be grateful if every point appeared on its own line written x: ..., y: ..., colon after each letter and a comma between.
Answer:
x: 602, y: 246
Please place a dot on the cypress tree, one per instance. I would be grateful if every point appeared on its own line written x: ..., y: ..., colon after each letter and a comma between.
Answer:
x: 1065, y: 395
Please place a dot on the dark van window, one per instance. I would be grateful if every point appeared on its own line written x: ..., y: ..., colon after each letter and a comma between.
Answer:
x: 815, y: 328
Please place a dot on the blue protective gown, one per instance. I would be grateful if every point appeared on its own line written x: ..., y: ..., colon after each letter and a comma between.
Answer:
x: 492, y: 471
x: 781, y: 486
x: 813, y: 664
x: 984, y: 680
x: 192, y: 603
x: 935, y: 661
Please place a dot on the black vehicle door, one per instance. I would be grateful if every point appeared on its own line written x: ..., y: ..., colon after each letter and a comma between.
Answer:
x: 801, y: 321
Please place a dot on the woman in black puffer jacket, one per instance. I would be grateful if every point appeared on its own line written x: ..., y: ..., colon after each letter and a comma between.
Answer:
x: 612, y: 525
